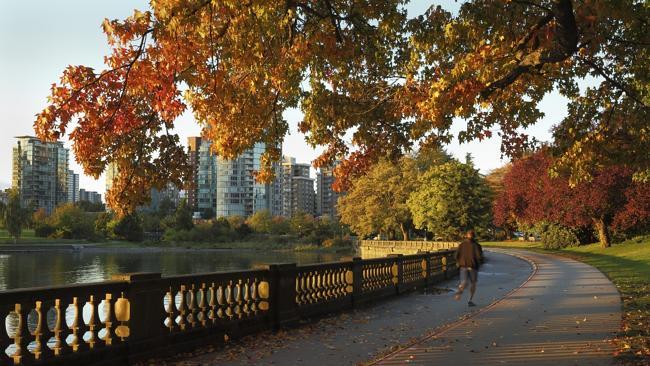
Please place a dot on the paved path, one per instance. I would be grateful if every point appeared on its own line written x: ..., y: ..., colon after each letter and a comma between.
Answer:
x: 563, y: 315
x: 357, y: 336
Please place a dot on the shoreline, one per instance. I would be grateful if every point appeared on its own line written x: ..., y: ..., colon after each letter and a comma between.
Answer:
x: 103, y: 247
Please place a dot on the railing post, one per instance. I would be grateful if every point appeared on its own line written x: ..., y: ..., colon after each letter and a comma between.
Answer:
x: 398, y: 271
x: 357, y: 278
x: 443, y: 261
x: 282, y: 280
x: 427, y: 272
x: 144, y: 311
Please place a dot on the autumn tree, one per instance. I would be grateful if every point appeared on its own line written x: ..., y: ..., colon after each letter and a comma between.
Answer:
x: 355, y: 69
x: 260, y: 221
x: 377, y: 201
x: 450, y: 199
x: 532, y: 195
x: 495, y: 179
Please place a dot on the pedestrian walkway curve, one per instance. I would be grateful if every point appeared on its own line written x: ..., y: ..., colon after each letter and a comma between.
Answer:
x: 566, y: 313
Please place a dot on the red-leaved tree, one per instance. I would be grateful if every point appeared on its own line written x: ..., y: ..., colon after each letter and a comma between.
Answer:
x: 610, y: 199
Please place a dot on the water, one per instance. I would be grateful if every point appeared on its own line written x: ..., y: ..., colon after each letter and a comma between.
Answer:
x: 53, y: 268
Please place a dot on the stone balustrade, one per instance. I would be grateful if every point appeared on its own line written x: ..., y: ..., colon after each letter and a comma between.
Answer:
x: 140, y: 315
x: 381, y: 248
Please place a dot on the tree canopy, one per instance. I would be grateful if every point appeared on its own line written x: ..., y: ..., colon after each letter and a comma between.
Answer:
x: 610, y: 200
x: 14, y: 216
x: 450, y: 199
x: 376, y: 202
x: 360, y: 69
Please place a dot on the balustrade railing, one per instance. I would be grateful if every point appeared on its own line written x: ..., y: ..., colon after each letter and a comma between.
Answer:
x: 139, y: 315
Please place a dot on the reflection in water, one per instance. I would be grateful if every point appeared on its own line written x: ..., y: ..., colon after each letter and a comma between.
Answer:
x: 91, y: 265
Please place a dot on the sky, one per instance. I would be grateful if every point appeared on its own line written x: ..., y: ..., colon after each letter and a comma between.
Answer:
x: 39, y: 38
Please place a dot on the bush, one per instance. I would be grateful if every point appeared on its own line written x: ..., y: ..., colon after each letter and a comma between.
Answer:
x: 101, y: 224
x: 211, y: 232
x: 260, y: 221
x: 43, y: 230
x: 71, y: 222
x: 129, y: 228
x: 555, y: 236
x: 337, y: 242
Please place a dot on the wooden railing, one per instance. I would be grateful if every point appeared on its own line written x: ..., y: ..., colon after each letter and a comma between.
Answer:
x: 140, y: 315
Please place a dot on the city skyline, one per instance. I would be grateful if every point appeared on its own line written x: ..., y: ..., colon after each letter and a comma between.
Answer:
x: 33, y: 32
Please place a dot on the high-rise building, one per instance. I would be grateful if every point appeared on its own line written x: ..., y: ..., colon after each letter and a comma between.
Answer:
x: 227, y: 187
x: 73, y: 187
x: 326, y: 197
x: 237, y: 191
x: 194, y: 153
x: 90, y: 196
x: 205, y: 189
x: 297, y: 188
x: 170, y: 192
x: 40, y: 172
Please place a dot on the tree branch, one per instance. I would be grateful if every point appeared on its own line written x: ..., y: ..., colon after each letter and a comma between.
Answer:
x: 630, y: 93
x: 567, y: 44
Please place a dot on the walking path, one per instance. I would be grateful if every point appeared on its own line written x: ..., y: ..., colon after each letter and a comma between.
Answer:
x: 560, y: 315
x: 563, y: 315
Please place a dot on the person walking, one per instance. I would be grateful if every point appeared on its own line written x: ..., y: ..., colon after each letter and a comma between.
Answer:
x: 469, y: 256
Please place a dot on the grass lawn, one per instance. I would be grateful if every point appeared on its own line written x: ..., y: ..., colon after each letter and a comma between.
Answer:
x: 628, y: 265
x: 28, y: 237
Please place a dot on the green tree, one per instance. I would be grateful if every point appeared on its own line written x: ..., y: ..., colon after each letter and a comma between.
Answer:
x: 280, y: 225
x: 128, y: 227
x: 450, y: 199
x: 377, y: 201
x: 71, y: 222
x: 14, y: 215
x: 183, y: 217
x: 102, y: 224
x: 151, y: 221
x: 3, y: 207
x: 166, y: 206
x: 302, y: 224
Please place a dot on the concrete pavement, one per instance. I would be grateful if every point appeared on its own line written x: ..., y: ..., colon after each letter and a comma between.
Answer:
x: 565, y: 314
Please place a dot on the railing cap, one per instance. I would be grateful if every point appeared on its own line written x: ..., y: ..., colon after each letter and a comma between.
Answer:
x: 350, y: 259
x: 280, y: 266
x: 136, y: 276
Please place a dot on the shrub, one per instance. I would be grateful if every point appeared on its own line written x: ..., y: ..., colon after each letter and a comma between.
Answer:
x: 260, y: 221
x: 129, y: 228
x: 555, y: 236
x: 43, y: 230
x: 101, y: 224
x: 71, y: 222
x: 337, y: 242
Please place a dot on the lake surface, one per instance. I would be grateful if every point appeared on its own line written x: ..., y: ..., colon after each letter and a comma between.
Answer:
x: 34, y: 269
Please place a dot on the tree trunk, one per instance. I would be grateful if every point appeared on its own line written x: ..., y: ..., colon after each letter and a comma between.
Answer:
x: 603, y: 232
x: 508, y: 232
x: 405, y: 231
